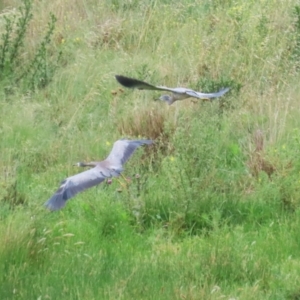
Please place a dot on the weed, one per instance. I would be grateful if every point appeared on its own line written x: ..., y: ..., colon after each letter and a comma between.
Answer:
x: 296, y: 37
x: 147, y: 122
x: 14, y: 68
x: 257, y: 161
x: 40, y: 70
x: 13, y: 197
x: 107, y: 35
x: 13, y: 39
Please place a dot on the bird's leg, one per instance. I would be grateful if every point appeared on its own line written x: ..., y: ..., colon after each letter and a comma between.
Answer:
x: 79, y: 164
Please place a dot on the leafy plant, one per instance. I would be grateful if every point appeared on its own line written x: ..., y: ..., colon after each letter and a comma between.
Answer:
x: 13, y: 39
x: 296, y: 46
x: 40, y: 71
x: 14, y: 68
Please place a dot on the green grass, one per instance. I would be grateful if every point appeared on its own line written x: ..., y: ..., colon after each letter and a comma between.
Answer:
x: 204, y: 220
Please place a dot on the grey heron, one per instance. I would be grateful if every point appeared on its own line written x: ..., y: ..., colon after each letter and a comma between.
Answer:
x: 178, y: 93
x: 112, y: 166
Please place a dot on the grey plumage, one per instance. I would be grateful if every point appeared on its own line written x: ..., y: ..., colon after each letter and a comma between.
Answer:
x: 112, y: 166
x: 178, y: 93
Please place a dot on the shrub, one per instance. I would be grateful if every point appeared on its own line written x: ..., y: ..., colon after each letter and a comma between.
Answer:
x: 35, y: 72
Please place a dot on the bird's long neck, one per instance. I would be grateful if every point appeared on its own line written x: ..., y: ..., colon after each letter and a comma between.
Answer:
x: 171, y: 100
x: 177, y: 96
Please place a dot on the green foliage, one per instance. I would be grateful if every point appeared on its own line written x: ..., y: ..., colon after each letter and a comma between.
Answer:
x: 13, y: 39
x: 40, y: 70
x: 198, y: 215
x: 35, y: 72
x: 296, y: 36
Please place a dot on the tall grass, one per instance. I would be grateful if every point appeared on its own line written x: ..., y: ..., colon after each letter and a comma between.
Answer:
x: 212, y: 210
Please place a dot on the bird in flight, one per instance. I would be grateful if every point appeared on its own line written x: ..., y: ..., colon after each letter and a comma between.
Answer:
x: 178, y: 93
x: 112, y: 166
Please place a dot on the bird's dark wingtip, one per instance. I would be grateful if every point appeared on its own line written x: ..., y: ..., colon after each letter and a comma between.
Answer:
x: 56, y: 202
x: 148, y: 142
x: 142, y: 142
x: 127, y: 81
x: 134, y: 83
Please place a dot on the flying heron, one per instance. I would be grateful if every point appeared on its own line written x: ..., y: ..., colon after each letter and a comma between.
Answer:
x: 178, y: 93
x: 112, y: 166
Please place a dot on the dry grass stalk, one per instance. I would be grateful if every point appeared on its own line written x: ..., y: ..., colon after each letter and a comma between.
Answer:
x: 257, y: 161
x: 152, y: 123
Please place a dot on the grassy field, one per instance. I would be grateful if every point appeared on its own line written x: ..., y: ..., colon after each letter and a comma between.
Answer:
x: 215, y: 210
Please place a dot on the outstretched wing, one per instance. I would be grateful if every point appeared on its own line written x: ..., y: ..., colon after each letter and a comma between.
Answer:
x: 199, y: 95
x: 122, y: 150
x: 74, y: 185
x: 138, y: 84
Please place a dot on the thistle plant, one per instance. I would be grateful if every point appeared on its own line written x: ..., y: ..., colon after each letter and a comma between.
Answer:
x: 13, y: 39
x: 35, y: 72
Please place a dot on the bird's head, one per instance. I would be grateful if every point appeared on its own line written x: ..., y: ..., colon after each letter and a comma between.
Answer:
x: 84, y: 164
x: 166, y: 98
x: 79, y: 164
